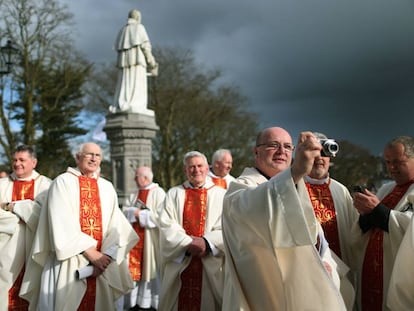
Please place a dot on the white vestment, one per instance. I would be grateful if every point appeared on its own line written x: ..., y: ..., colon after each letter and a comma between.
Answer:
x: 346, y: 215
x: 400, y: 291
x: 146, y: 292
x: 174, y: 241
x: 398, y: 223
x: 134, y: 54
x: 17, y: 230
x: 270, y: 232
x: 59, y: 243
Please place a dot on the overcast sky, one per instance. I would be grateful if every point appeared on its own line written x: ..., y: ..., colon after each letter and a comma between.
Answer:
x: 342, y: 67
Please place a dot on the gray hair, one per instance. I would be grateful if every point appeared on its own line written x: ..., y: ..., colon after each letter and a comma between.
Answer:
x: 26, y: 148
x: 219, y: 155
x: 193, y: 154
x: 406, y: 141
x: 146, y: 172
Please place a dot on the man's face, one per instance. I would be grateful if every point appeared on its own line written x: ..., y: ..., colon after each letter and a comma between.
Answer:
x: 273, y: 152
x: 320, y: 168
x: 141, y: 180
x: 196, y: 170
x: 399, y: 166
x: 90, y: 159
x: 23, y: 164
x: 223, y: 167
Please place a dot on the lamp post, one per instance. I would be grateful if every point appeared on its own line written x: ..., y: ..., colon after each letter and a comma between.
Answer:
x: 8, y: 54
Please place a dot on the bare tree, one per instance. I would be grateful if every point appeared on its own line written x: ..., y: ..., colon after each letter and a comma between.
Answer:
x: 195, y: 110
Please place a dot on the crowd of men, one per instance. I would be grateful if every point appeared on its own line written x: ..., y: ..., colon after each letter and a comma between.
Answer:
x: 284, y: 235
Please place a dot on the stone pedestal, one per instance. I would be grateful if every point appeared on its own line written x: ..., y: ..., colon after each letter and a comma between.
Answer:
x: 131, y: 137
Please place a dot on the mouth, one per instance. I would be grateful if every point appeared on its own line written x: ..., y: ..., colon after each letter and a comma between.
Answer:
x: 279, y: 160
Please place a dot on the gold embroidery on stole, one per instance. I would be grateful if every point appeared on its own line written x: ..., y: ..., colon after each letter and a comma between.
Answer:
x: 194, y: 219
x: 22, y: 190
x: 136, y: 253
x: 90, y: 217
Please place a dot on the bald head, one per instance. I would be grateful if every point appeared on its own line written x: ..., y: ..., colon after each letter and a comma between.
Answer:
x: 273, y: 151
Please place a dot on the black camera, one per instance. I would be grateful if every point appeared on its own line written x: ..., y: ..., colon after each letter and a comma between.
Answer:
x: 359, y: 188
x: 329, y: 147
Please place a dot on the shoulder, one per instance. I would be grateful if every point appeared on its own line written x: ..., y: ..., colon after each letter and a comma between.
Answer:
x: 175, y: 190
x: 250, y: 176
x: 44, y: 179
x: 335, y: 183
x: 103, y: 182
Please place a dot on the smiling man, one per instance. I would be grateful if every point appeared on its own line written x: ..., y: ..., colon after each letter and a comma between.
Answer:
x: 81, y: 227
x: 21, y: 195
x: 276, y: 255
x: 191, y: 241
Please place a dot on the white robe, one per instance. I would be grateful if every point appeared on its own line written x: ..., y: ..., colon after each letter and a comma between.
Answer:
x: 398, y: 223
x: 148, y: 219
x: 134, y: 53
x: 346, y: 215
x: 400, y: 291
x: 174, y: 241
x: 17, y: 230
x: 269, y: 231
x: 58, y: 245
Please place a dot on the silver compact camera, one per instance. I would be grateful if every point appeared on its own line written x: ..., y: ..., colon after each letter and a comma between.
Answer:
x: 329, y: 147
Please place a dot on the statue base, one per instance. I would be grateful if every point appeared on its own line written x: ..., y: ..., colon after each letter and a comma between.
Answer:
x: 131, y: 137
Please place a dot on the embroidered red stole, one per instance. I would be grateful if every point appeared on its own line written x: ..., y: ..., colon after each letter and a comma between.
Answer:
x: 22, y: 190
x: 90, y: 218
x: 136, y: 253
x: 372, y: 269
x: 324, y: 208
x: 221, y: 182
x: 194, y: 219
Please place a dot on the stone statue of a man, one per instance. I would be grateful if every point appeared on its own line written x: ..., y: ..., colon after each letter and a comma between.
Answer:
x: 135, y: 62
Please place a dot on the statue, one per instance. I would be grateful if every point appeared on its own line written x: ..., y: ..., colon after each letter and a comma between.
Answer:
x: 135, y: 62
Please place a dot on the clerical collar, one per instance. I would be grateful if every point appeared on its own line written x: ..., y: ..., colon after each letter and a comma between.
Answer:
x: 149, y: 186
x: 34, y: 175
x: 195, y: 187
x: 264, y: 175
x: 314, y: 181
x: 77, y: 172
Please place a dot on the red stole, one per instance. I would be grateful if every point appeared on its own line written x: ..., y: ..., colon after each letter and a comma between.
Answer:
x: 22, y: 190
x: 90, y: 218
x: 324, y: 208
x: 136, y: 253
x: 194, y: 219
x: 221, y: 182
x: 372, y: 269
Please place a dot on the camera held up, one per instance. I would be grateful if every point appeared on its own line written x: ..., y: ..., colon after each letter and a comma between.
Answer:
x: 329, y: 147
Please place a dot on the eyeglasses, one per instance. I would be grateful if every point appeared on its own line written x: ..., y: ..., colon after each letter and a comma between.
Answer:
x: 90, y: 155
x: 275, y: 145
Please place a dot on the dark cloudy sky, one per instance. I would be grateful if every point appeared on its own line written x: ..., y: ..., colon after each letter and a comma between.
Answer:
x: 341, y: 67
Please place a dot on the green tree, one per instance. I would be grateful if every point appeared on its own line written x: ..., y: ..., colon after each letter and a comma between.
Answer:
x: 47, y: 81
x: 56, y: 116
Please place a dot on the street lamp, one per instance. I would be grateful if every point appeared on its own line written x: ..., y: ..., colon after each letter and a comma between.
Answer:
x: 8, y: 54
